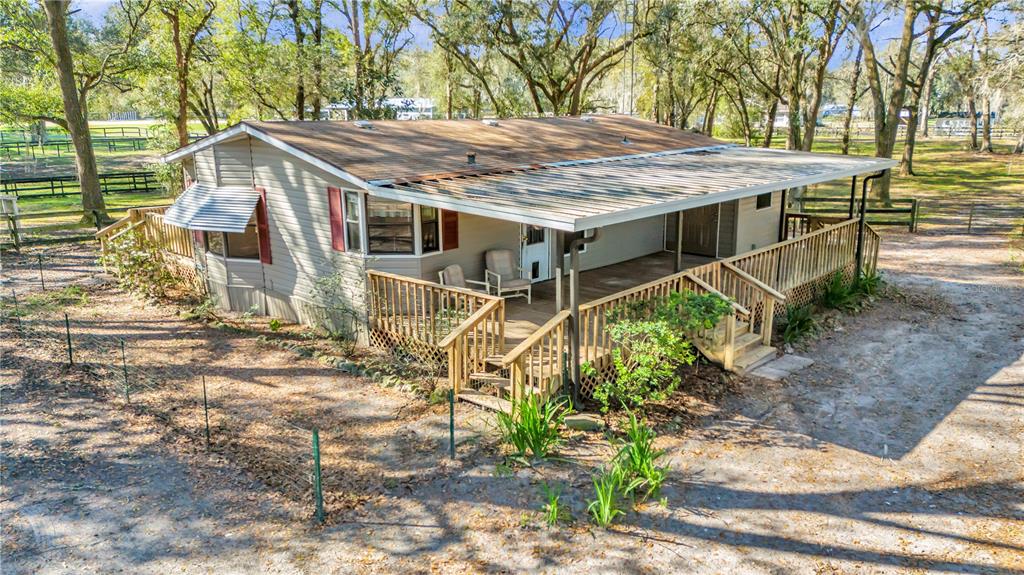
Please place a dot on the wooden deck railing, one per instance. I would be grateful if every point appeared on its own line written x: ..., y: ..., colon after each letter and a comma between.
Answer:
x: 169, y: 238
x: 472, y: 342
x: 799, y: 223
x: 538, y: 361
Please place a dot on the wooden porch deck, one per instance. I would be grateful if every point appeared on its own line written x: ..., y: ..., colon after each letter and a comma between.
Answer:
x: 522, y: 319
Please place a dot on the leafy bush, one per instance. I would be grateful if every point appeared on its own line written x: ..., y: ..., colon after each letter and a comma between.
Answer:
x: 274, y: 325
x: 138, y: 265
x: 638, y: 460
x: 554, y: 511
x: 838, y: 295
x: 799, y: 323
x: 532, y: 426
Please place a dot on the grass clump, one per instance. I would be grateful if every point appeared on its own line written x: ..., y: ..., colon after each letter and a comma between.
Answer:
x: 606, y: 505
x: 532, y: 427
x: 634, y: 474
x: 838, y: 295
x: 554, y: 511
x: 53, y: 300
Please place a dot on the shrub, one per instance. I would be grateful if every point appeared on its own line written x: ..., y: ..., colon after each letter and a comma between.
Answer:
x: 532, y: 426
x: 838, y: 295
x: 638, y: 460
x: 554, y: 511
x: 138, y: 265
x: 799, y: 323
x: 274, y: 325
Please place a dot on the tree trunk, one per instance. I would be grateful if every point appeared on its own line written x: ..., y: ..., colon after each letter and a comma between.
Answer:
x: 709, y: 113
x: 181, y: 69
x: 972, y: 112
x: 318, y: 59
x: 1019, y: 148
x: 907, y: 162
x: 93, y: 208
x: 769, y: 127
x: 448, y: 90
x: 848, y: 120
x: 926, y: 101
x: 300, y: 80
x: 986, y: 124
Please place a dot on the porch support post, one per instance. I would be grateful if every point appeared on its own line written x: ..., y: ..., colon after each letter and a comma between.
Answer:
x: 861, y: 222
x: 679, y: 241
x: 559, y: 269
x: 853, y: 194
x: 574, y: 311
x: 783, y: 227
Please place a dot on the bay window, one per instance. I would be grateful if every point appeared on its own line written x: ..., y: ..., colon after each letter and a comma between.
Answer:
x: 389, y: 226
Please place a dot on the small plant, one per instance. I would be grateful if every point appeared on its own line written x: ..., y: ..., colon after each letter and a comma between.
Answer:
x: 54, y: 300
x: 868, y: 284
x: 138, y: 264
x: 532, y: 426
x: 638, y: 460
x: 799, y: 323
x: 274, y: 325
x: 838, y: 295
x: 438, y: 395
x: 646, y: 363
x: 202, y: 311
x: 554, y: 511
x: 606, y: 505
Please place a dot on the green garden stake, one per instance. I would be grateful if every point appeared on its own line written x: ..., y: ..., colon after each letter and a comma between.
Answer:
x: 451, y: 423
x: 318, y: 494
x: 206, y: 413
x: 124, y: 370
x: 67, y: 330
x: 42, y: 282
x: 17, y: 311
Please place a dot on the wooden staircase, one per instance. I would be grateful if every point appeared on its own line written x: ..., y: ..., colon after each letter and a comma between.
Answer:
x: 749, y: 350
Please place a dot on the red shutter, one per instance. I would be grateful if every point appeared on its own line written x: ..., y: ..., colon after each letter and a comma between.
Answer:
x: 263, y: 227
x: 197, y: 235
x: 337, y: 219
x: 449, y: 230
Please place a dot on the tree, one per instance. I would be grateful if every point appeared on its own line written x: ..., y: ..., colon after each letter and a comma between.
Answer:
x: 886, y: 110
x: 378, y: 32
x: 186, y: 19
x: 78, y: 60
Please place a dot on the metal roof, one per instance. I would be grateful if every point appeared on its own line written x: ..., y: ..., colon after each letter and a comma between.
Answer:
x: 213, y: 209
x: 579, y: 195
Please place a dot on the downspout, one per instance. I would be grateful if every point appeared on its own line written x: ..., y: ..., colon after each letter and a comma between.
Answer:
x: 863, y: 216
x: 574, y: 309
x: 783, y: 227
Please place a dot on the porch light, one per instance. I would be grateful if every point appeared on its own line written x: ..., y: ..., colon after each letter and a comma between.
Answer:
x: 471, y: 158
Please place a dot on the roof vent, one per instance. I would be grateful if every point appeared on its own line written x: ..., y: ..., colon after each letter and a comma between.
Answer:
x: 587, y: 119
x: 471, y: 158
x: 625, y: 141
x: 363, y: 124
x: 490, y: 122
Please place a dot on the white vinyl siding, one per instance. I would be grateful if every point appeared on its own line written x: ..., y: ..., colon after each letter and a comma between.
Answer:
x: 757, y: 228
x: 620, y: 242
x: 206, y: 166
x: 233, y: 163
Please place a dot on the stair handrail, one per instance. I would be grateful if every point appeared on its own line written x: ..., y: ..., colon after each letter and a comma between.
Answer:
x: 737, y: 307
x: 767, y: 289
x: 456, y: 342
x: 529, y: 342
x: 468, y: 323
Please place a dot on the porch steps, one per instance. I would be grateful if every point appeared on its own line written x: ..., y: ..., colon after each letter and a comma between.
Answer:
x: 485, y: 400
x: 753, y: 358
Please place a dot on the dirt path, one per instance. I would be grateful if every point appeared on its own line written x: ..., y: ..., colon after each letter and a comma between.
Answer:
x: 901, y: 450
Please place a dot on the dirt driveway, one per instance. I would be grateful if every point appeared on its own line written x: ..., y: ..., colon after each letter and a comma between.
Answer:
x: 901, y: 450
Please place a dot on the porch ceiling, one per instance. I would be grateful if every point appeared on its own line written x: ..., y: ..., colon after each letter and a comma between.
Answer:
x: 580, y: 195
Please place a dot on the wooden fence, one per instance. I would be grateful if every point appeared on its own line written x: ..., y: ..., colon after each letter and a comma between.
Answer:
x: 902, y: 212
x: 60, y: 186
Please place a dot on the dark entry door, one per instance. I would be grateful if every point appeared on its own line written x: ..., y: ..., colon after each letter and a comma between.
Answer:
x: 700, y: 230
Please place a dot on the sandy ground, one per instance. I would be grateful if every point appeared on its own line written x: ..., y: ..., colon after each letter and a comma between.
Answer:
x: 901, y: 450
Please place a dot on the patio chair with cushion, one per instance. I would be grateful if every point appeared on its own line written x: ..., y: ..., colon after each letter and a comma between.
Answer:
x: 504, y: 275
x: 452, y: 276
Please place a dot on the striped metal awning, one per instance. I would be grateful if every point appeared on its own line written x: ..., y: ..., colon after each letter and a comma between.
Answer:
x: 586, y: 194
x: 213, y: 208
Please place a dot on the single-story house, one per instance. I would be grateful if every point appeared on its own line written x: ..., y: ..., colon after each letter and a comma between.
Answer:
x: 275, y: 207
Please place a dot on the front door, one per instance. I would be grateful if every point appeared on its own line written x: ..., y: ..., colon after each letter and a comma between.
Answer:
x: 536, y: 253
x: 700, y: 230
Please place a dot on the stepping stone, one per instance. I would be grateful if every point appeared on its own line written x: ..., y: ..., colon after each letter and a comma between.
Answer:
x: 584, y: 422
x: 783, y: 367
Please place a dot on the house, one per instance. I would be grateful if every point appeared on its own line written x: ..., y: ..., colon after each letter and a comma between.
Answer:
x: 384, y: 206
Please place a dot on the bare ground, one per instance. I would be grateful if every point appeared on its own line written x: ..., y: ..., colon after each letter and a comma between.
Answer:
x: 900, y: 451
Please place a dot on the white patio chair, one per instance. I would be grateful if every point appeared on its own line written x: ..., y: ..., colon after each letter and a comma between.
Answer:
x: 452, y: 276
x: 504, y: 275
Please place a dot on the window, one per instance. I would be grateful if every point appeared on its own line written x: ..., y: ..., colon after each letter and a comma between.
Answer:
x: 214, y: 242
x: 245, y: 245
x: 389, y: 226
x: 430, y: 229
x: 355, y: 240
x: 764, y: 201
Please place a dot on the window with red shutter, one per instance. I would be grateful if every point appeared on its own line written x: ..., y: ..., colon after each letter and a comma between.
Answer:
x: 337, y: 219
x: 263, y: 227
x: 449, y: 230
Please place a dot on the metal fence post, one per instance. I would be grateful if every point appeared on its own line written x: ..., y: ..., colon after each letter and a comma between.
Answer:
x: 970, y: 220
x: 206, y: 413
x: 124, y: 371
x: 41, y: 280
x: 67, y: 330
x: 451, y: 423
x: 318, y: 494
x: 17, y: 310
